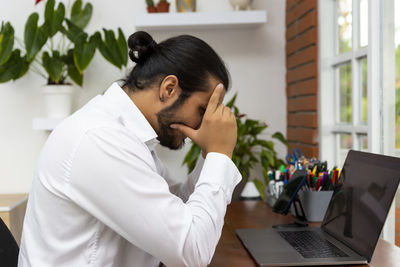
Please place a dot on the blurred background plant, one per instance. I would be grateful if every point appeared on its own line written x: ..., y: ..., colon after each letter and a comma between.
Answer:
x: 250, y: 150
x: 59, y: 48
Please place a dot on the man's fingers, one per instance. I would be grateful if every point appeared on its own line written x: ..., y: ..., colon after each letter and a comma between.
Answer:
x: 215, y: 99
x: 189, y: 132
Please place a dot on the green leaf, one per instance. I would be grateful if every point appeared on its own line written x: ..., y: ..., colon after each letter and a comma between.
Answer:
x: 232, y: 101
x: 34, y: 37
x: 264, y: 143
x: 83, y: 52
x: 108, y: 47
x: 123, y: 47
x: 14, y: 68
x: 72, y: 32
x: 257, y: 130
x: 54, y: 18
x: 53, y: 66
x: 280, y: 137
x: 75, y: 75
x: 260, y: 188
x: 6, y: 41
x: 267, y: 159
x: 192, y: 156
x: 81, y: 17
x: 250, y: 123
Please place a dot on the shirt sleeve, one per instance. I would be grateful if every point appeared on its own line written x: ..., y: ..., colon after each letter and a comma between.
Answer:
x: 114, y: 178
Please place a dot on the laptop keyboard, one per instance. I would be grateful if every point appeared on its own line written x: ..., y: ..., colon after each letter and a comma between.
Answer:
x: 310, y: 244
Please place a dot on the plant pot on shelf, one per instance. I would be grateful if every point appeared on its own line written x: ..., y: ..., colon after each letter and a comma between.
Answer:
x: 58, y: 100
x: 163, y: 6
x: 151, y: 9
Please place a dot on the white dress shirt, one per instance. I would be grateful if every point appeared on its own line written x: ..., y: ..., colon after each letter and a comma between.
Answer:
x: 101, y: 197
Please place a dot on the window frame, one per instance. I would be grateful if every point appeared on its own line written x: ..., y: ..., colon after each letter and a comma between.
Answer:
x: 380, y: 128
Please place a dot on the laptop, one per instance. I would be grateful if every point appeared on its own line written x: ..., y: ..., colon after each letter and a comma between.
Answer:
x: 351, y: 226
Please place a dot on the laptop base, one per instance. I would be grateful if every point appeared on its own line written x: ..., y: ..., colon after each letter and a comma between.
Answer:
x: 268, y: 248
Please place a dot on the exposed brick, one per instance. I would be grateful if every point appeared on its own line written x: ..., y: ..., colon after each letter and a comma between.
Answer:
x: 291, y: 3
x: 302, y: 75
x: 302, y: 72
x: 307, y: 103
x: 303, y: 56
x: 308, y: 21
x: 300, y: 10
x: 303, y: 103
x: 305, y: 39
x: 306, y: 135
x: 308, y: 150
x: 303, y: 119
x: 303, y: 88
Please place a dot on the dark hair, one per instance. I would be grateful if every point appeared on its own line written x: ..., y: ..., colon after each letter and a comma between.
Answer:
x: 187, y: 57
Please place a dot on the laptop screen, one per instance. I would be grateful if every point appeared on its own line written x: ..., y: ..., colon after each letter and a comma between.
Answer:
x: 360, y: 204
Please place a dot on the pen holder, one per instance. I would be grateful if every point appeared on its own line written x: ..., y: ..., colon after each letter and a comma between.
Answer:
x: 315, y: 204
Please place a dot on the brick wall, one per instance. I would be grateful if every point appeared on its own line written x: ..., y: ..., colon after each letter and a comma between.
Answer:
x: 301, y: 75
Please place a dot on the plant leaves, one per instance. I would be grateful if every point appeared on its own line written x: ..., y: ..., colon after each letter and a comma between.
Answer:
x: 6, y: 42
x: 191, y: 157
x: 81, y: 17
x: 14, y: 68
x: 280, y: 137
x: 72, y: 32
x: 260, y: 188
x: 232, y: 101
x: 34, y: 37
x: 83, y: 52
x: 54, y: 18
x: 74, y: 74
x: 123, y: 47
x: 53, y: 66
x: 264, y: 143
x: 257, y: 130
x: 108, y: 47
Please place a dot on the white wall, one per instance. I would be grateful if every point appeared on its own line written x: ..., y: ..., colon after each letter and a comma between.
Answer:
x: 255, y: 58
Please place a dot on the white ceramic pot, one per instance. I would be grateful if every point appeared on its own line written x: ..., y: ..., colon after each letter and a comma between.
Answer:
x: 57, y: 100
x: 241, y: 4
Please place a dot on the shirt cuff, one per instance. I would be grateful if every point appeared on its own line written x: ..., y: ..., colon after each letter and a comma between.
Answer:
x: 220, y: 172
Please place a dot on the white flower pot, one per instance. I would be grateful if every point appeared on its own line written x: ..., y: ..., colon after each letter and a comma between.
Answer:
x: 57, y: 100
x: 241, y: 4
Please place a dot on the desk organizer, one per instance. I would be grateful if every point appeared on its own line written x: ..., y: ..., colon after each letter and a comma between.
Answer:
x: 315, y: 204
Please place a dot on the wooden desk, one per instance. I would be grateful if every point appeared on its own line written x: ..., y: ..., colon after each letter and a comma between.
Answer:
x: 257, y: 214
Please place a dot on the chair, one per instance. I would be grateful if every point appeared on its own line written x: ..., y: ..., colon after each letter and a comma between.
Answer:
x: 9, y: 249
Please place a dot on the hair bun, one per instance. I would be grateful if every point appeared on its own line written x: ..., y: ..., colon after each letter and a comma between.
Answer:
x: 140, y: 44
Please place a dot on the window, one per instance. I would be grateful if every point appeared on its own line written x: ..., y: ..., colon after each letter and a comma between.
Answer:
x: 359, y: 80
x: 347, y: 93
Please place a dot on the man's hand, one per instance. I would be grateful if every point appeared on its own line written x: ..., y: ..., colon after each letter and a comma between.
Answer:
x: 217, y: 132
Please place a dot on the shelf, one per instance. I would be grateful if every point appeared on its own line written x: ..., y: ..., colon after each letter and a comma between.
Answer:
x: 201, y: 20
x: 46, y: 124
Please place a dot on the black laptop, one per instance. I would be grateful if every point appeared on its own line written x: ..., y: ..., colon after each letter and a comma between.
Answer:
x: 351, y: 226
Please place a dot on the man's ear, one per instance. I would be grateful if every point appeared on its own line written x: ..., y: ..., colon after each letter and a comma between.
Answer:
x: 169, y: 88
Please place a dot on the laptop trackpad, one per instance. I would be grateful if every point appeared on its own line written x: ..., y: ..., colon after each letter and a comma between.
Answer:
x: 264, y: 240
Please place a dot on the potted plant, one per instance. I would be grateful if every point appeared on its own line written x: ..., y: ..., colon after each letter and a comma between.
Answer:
x: 150, y: 6
x: 59, y: 50
x: 249, y: 151
x: 163, y: 6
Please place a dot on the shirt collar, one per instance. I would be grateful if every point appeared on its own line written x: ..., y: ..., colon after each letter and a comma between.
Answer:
x: 132, y: 117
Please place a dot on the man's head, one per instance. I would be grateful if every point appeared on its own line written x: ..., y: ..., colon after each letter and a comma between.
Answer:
x: 173, y: 81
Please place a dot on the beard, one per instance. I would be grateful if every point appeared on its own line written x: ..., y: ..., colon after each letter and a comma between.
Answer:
x: 167, y: 136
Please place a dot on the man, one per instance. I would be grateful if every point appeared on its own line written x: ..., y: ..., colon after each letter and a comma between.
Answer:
x: 101, y: 196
